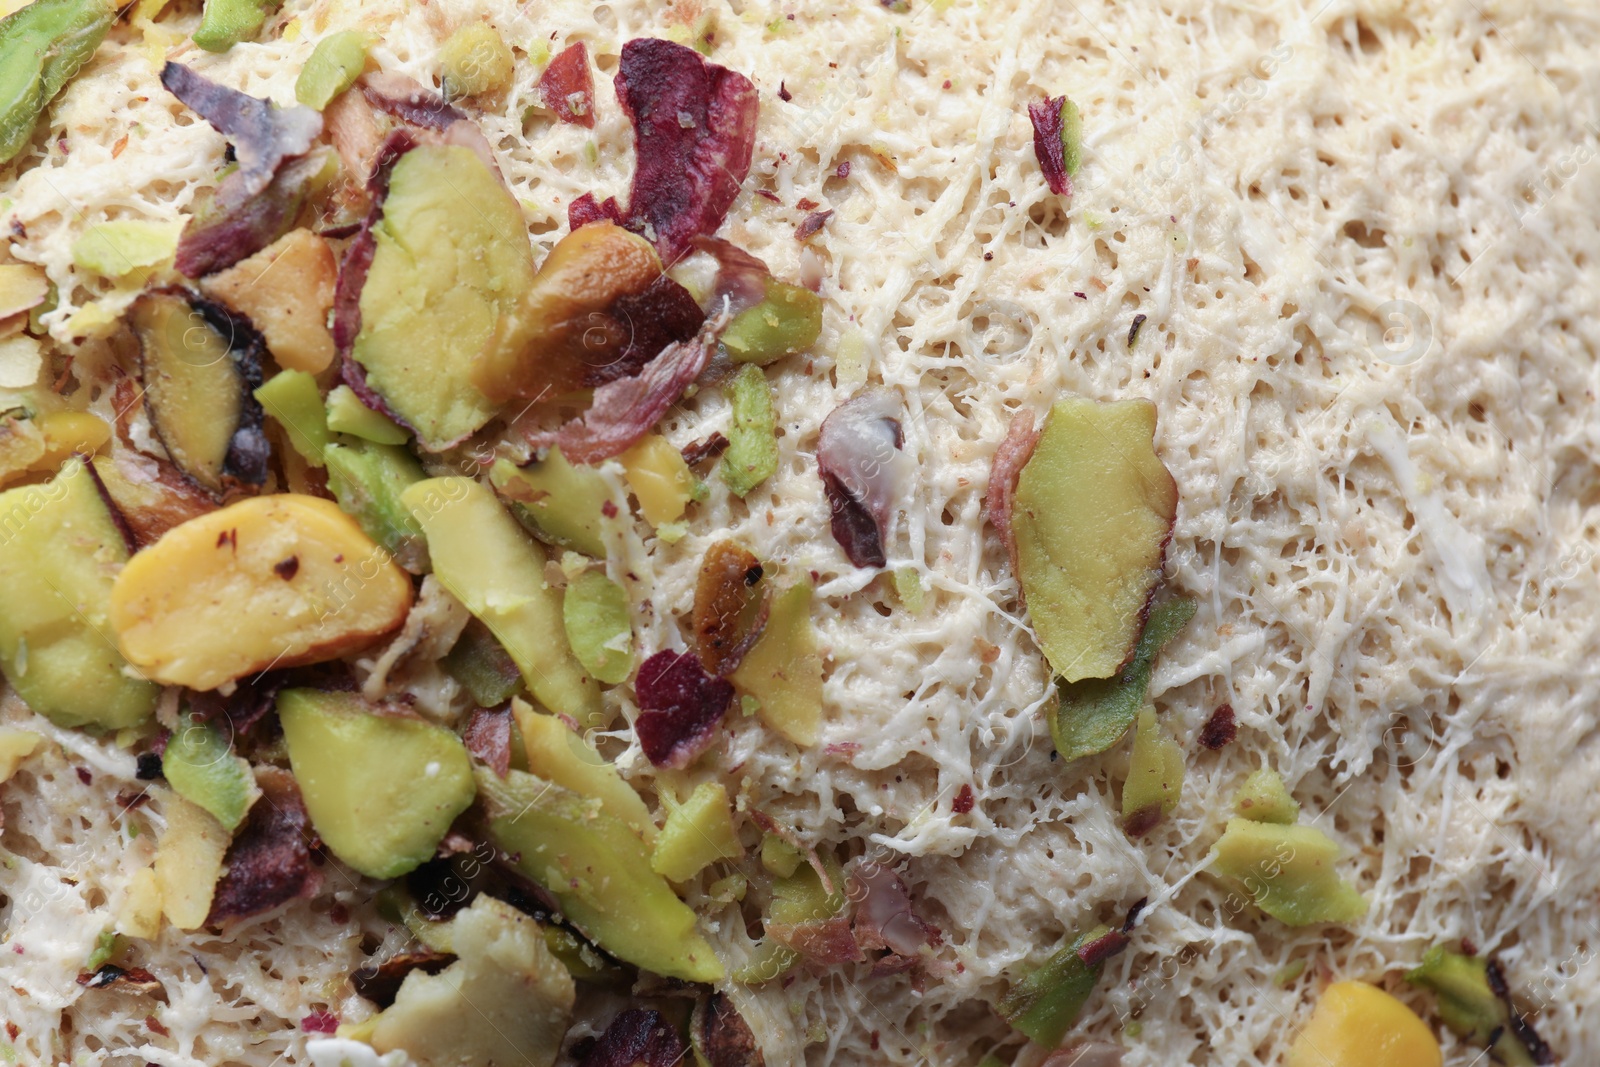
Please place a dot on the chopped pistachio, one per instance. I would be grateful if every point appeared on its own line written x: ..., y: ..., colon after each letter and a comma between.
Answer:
x: 1155, y: 775
x: 118, y: 248
x: 42, y: 46
x: 778, y: 856
x: 475, y: 61
x: 105, y: 946
x: 334, y: 66
x: 659, y: 477
x: 293, y: 399
x: 752, y: 454
x: 556, y: 501
x: 1470, y: 1006
x: 697, y: 833
x: 784, y: 669
x: 908, y: 587
x: 599, y: 625
x: 200, y: 766
x: 1091, y: 519
x: 1071, y: 137
x: 1095, y: 713
x: 598, y: 869
x: 1045, y: 1003
x: 1263, y: 798
x: 224, y: 23
x: 1287, y: 872
x: 348, y: 415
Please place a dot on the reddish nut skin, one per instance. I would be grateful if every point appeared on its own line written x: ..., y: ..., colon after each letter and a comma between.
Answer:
x: 694, y: 126
x: 681, y: 707
x: 567, y: 86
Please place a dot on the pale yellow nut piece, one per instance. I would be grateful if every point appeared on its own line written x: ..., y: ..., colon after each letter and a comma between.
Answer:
x: 188, y: 862
x: 140, y: 915
x: 1359, y: 1025
x: 23, y: 286
x: 272, y: 581
x: 15, y: 747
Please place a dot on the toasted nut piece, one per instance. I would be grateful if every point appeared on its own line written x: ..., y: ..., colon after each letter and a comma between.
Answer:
x: 562, y: 330
x: 286, y: 291
x: 272, y: 581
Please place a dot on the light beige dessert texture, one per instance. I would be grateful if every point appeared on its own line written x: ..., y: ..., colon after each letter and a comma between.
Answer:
x: 1364, y: 238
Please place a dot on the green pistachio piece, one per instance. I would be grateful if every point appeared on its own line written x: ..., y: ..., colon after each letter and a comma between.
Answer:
x: 483, y: 667
x: 599, y: 626
x: 557, y: 502
x: 224, y: 23
x: 475, y: 61
x: 42, y: 46
x: 789, y: 320
x: 1093, y: 714
x: 1469, y: 1005
x: 348, y: 415
x: 367, y: 480
x: 698, y: 832
x: 118, y: 248
x: 334, y: 66
x: 1287, y: 872
x: 200, y: 766
x: 293, y: 399
x: 1155, y: 776
x: 60, y: 546
x: 598, y: 870
x: 1044, y: 1005
x: 752, y: 454
x: 1263, y: 798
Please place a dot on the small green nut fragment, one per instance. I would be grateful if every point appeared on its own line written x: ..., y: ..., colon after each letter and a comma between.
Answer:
x: 729, y: 888
x: 56, y: 574
x: 580, y: 959
x: 1263, y: 798
x: 475, y: 61
x: 1468, y: 1003
x: 1071, y: 137
x: 42, y: 46
x: 783, y: 672
x: 107, y: 945
x: 557, y: 502
x: 1287, y: 872
x: 381, y: 787
x: 698, y: 832
x: 293, y: 399
x: 789, y: 320
x: 200, y: 766
x: 752, y: 454
x: 224, y: 23
x: 118, y: 248
x: 348, y: 415
x: 598, y: 870
x: 778, y: 856
x: 334, y: 66
x: 908, y: 587
x: 1095, y: 713
x: 1155, y: 776
x: 367, y: 480
x: 599, y: 626
x: 492, y: 566
x: 483, y: 667
x: 1044, y: 1004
